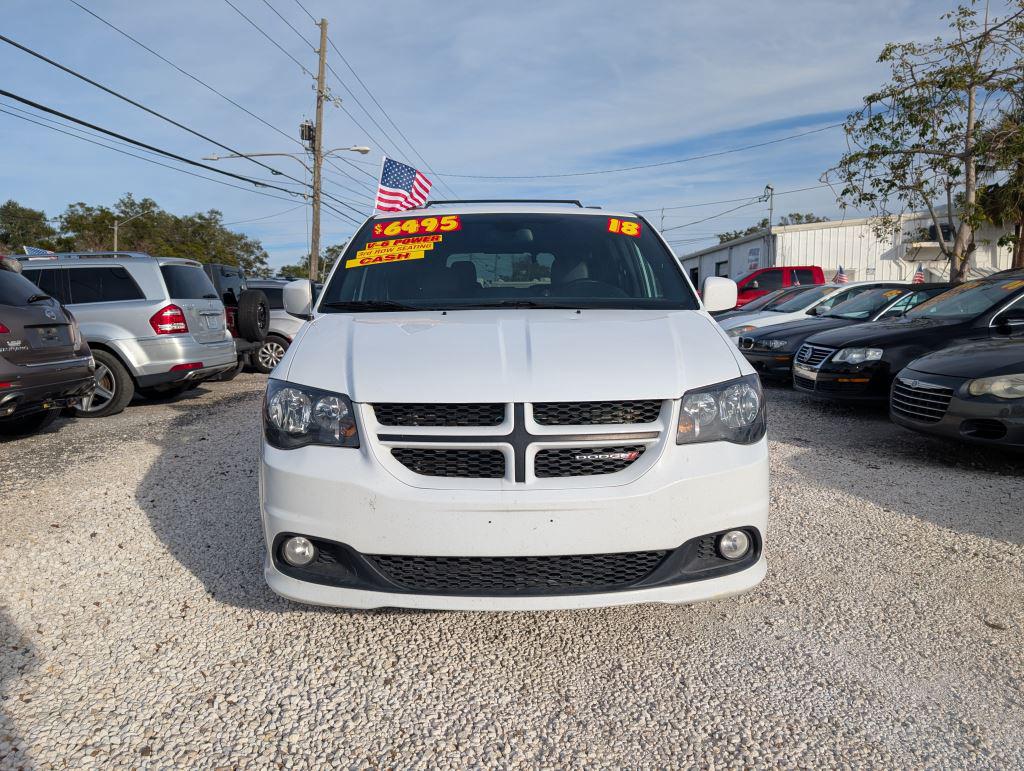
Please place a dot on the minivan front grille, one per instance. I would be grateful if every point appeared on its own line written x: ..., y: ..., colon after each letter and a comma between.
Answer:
x: 465, y: 464
x: 585, y: 461
x: 923, y: 402
x: 812, y: 355
x: 596, y: 413
x: 440, y: 415
x: 518, y: 575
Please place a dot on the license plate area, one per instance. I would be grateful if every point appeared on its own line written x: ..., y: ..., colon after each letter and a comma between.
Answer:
x: 49, y: 337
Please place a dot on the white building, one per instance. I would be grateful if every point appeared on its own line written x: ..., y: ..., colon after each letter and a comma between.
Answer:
x: 850, y: 243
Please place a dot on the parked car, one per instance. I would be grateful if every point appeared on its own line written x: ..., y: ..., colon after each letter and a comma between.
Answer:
x: 154, y: 324
x: 763, y: 280
x: 972, y: 392
x: 281, y: 330
x: 44, y: 363
x: 771, y: 350
x: 764, y: 302
x: 816, y: 301
x: 859, y: 363
x: 247, y: 310
x: 512, y: 405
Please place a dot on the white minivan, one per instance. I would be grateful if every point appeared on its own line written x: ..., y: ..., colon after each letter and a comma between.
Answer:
x: 508, y: 406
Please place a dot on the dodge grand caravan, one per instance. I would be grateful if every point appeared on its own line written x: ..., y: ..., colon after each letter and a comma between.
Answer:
x: 512, y: 405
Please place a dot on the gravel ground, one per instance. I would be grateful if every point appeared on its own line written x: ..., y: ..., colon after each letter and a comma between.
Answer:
x: 137, y: 630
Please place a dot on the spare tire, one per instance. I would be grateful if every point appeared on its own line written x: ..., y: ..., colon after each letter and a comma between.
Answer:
x: 253, y: 319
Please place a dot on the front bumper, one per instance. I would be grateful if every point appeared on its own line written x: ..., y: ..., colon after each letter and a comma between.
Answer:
x: 61, y: 384
x: 977, y: 419
x: 839, y: 382
x: 770, y: 364
x: 346, y: 496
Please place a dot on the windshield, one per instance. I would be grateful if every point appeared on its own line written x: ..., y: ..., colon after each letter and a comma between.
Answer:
x: 866, y: 304
x: 968, y: 300
x: 501, y: 260
x: 801, y: 300
x: 769, y: 300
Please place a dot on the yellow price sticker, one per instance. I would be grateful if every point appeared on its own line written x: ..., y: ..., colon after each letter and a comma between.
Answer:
x: 375, y: 257
x: 1009, y: 286
x: 892, y: 293
x: 399, y: 244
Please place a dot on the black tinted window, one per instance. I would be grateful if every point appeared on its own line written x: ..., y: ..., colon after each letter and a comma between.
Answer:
x: 803, y: 276
x: 487, y: 260
x: 770, y: 280
x: 275, y: 297
x: 231, y: 283
x: 50, y: 281
x: 187, y: 282
x: 15, y: 289
x: 97, y: 285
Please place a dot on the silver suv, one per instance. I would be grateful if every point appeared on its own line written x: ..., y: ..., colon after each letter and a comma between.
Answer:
x: 154, y: 324
x: 283, y: 326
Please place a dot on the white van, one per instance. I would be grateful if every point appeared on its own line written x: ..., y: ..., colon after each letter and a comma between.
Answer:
x: 508, y: 406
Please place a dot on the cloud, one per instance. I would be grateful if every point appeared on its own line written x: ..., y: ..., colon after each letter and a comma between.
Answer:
x: 531, y: 87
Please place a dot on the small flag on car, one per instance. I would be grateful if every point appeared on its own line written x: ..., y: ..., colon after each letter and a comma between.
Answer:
x: 401, y: 187
x: 918, y: 275
x: 840, y: 276
x: 35, y: 251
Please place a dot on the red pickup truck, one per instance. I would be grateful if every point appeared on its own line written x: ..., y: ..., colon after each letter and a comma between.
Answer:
x: 764, y: 280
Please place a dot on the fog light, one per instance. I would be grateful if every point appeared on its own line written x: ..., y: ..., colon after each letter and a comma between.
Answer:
x: 299, y: 551
x: 734, y: 545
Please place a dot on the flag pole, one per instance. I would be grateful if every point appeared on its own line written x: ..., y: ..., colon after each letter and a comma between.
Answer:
x: 380, y: 178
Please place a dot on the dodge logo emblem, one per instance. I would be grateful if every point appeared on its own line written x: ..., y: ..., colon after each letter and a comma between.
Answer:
x: 627, y: 456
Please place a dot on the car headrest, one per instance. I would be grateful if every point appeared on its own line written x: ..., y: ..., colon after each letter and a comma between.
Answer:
x: 566, y: 269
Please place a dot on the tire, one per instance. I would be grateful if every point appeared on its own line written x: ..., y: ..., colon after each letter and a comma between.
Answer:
x: 23, y: 425
x: 163, y: 393
x: 114, y: 388
x: 253, y: 319
x: 270, y: 352
x: 230, y: 374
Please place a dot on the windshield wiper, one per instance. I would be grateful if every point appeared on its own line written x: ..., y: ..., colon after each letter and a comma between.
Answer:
x: 209, y: 297
x: 37, y: 297
x: 370, y: 305
x: 514, y: 304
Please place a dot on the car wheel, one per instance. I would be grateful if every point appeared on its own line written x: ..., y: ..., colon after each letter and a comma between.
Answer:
x: 253, y: 319
x: 23, y: 425
x: 163, y: 393
x: 269, y: 354
x: 114, y: 388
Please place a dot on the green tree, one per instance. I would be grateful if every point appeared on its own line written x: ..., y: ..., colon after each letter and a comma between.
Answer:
x: 1002, y: 203
x: 917, y: 142
x: 793, y: 218
x: 21, y: 226
x: 326, y: 262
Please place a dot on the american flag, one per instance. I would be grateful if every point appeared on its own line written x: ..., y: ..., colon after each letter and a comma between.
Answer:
x: 840, y: 276
x: 35, y: 251
x: 401, y: 187
x: 918, y: 275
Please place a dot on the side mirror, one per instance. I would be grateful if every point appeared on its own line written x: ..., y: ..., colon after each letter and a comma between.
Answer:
x: 298, y: 298
x: 753, y: 285
x: 719, y: 294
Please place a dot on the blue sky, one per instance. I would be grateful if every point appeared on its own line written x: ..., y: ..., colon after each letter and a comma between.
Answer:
x: 490, y: 89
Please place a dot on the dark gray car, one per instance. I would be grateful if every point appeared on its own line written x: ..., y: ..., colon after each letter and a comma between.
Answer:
x: 44, y: 364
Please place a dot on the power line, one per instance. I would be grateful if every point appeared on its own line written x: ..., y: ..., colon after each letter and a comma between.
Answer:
x: 714, y: 216
x: 272, y: 40
x: 143, y: 158
x: 269, y: 216
x: 187, y: 74
x: 647, y: 165
x: 727, y: 200
x: 378, y: 104
x: 151, y: 148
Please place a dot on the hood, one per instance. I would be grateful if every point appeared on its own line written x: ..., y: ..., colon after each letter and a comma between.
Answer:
x: 801, y: 328
x: 742, y: 318
x: 984, y: 359
x: 511, y: 355
x: 880, y: 333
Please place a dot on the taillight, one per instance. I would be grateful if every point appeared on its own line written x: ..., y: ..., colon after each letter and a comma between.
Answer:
x: 189, y: 365
x: 4, y: 330
x: 169, y: 320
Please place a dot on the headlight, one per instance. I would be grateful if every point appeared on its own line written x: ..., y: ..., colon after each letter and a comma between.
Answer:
x: 297, y: 415
x: 737, y: 331
x: 858, y: 355
x: 732, y: 411
x: 770, y: 345
x: 1003, y: 386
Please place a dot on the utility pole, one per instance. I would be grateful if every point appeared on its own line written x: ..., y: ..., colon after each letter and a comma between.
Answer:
x: 769, y: 192
x: 117, y: 224
x: 318, y: 158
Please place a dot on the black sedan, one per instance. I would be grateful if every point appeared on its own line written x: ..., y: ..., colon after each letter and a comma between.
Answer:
x: 764, y: 302
x: 973, y: 392
x: 771, y: 350
x: 858, y: 363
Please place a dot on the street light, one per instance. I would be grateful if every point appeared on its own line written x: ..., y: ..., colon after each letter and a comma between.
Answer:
x: 119, y: 223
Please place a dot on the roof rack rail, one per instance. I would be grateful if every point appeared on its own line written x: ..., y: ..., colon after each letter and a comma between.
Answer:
x: 570, y: 202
